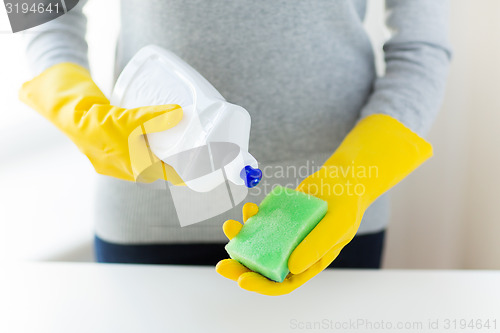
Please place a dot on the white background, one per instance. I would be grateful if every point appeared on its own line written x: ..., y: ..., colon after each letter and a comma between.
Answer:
x: 444, y: 216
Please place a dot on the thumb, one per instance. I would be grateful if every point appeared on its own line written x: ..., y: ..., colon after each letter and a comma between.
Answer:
x: 142, y: 121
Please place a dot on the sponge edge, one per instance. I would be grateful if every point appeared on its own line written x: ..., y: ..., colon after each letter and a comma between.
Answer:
x: 268, y: 238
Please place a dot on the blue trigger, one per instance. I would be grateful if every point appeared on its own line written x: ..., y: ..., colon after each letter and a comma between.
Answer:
x: 251, y: 176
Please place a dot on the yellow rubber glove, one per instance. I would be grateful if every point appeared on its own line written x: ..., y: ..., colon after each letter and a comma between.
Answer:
x: 112, y: 138
x: 377, y: 154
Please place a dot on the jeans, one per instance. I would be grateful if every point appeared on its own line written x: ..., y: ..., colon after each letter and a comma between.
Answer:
x: 364, y: 251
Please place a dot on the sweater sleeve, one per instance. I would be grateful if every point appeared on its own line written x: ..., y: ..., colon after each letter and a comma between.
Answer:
x: 59, y: 40
x: 417, y: 58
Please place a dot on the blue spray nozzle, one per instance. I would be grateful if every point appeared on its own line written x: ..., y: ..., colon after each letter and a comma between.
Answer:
x: 251, y: 176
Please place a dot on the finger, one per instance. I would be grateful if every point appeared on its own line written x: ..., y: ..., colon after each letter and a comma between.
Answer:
x: 255, y: 282
x: 231, y: 228
x: 150, y: 173
x: 144, y: 165
x: 169, y: 173
x: 297, y: 280
x: 330, y: 257
x: 231, y: 269
x: 158, y: 170
x: 249, y: 210
x: 155, y: 118
x: 319, y: 266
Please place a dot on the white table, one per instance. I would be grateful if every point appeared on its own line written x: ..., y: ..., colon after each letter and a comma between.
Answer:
x: 70, y: 298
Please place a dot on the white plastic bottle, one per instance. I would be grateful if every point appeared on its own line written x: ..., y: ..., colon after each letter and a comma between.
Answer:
x: 155, y: 76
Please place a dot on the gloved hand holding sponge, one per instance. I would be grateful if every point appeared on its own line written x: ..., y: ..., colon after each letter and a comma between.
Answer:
x: 113, y: 138
x: 377, y: 154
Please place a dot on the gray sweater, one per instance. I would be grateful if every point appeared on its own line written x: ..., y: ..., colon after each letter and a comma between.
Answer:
x: 303, y: 69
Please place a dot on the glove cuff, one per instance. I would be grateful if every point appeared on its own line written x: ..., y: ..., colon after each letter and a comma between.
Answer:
x: 378, y: 153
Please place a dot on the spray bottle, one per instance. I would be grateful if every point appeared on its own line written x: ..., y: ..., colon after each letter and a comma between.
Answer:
x: 155, y: 76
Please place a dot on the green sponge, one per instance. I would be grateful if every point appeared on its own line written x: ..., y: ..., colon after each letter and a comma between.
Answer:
x: 267, y: 239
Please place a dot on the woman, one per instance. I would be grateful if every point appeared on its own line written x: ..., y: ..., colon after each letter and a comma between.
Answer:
x: 303, y: 69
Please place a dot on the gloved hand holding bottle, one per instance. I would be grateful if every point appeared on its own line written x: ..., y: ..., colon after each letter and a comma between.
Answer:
x: 113, y: 138
x: 377, y: 154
